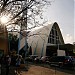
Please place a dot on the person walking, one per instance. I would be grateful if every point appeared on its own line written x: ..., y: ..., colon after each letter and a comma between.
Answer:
x: 8, y: 62
x: 18, y: 63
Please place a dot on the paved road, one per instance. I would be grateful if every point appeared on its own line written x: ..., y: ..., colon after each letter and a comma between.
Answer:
x: 38, y: 70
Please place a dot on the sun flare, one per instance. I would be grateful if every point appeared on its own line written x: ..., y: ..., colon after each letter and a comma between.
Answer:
x: 4, y: 19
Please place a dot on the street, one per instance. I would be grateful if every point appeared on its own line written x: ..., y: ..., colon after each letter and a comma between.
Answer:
x: 35, y: 69
x: 38, y: 70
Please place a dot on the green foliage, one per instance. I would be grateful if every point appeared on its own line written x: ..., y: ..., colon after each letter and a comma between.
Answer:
x: 13, y: 41
x: 12, y: 37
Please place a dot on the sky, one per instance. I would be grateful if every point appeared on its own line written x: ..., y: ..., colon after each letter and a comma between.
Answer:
x: 62, y: 12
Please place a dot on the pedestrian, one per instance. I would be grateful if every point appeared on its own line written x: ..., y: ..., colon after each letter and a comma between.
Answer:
x: 8, y: 62
x: 18, y: 63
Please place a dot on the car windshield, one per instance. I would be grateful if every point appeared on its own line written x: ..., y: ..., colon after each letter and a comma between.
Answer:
x: 69, y: 57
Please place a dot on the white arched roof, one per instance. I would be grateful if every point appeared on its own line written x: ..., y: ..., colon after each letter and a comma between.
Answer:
x: 38, y: 38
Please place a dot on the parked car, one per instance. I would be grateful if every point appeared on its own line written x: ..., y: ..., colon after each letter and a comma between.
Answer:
x: 61, y: 61
x: 37, y: 60
x: 73, y: 60
x: 31, y: 58
x: 44, y: 59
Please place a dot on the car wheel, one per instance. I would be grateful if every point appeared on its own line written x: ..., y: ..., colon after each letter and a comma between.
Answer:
x: 60, y: 65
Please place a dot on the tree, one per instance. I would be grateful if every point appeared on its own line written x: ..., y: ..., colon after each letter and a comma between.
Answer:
x: 13, y: 42
x: 23, y: 13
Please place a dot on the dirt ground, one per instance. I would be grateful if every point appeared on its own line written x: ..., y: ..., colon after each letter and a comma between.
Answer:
x: 38, y: 70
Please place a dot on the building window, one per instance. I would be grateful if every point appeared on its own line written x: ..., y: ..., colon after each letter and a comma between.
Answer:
x: 52, y: 40
x: 48, y: 40
x: 52, y: 31
x: 53, y: 37
x: 56, y: 33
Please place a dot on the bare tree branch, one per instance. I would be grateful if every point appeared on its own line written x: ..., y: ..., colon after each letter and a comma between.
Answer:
x: 17, y: 8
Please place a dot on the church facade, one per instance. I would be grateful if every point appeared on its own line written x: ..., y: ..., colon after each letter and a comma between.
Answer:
x: 43, y: 39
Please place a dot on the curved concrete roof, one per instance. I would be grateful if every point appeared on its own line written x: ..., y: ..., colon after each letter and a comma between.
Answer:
x: 38, y: 38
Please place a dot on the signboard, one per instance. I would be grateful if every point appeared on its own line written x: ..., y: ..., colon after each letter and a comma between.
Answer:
x: 61, y: 53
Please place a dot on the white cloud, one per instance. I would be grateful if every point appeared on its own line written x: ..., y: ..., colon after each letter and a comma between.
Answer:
x: 68, y: 38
